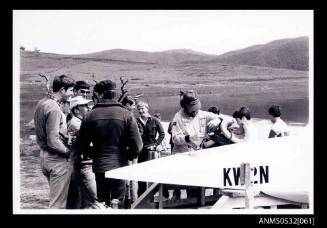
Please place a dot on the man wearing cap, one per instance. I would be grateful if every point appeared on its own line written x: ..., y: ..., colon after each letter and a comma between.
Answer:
x: 83, y: 175
x: 190, y: 123
x: 111, y: 129
x: 51, y: 135
x: 189, y: 126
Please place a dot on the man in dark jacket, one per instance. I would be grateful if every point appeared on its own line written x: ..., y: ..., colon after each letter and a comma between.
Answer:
x: 111, y: 129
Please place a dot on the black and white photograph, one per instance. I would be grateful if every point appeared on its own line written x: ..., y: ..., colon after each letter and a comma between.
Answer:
x: 163, y: 112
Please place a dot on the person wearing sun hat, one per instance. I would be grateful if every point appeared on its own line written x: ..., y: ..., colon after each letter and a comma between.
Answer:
x: 190, y: 123
x: 82, y: 191
x: 189, y: 127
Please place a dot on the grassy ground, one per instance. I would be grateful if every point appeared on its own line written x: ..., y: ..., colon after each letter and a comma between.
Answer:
x: 34, y: 186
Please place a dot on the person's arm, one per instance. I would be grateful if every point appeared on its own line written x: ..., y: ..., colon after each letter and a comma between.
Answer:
x: 229, y: 135
x: 135, y: 143
x: 272, y: 134
x: 170, y: 128
x: 160, y: 131
x: 52, y: 131
x: 139, y: 126
x: 178, y: 137
x: 83, y: 140
x: 212, y: 119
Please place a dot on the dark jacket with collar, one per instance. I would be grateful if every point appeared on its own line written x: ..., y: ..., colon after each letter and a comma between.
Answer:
x: 149, y: 131
x: 111, y: 129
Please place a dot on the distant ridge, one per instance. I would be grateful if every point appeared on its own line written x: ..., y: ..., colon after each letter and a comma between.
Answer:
x: 290, y: 53
x: 173, y: 56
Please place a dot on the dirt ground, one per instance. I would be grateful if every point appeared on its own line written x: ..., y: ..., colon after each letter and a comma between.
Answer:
x: 34, y: 186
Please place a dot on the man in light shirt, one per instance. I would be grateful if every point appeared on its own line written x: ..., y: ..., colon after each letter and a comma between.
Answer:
x: 189, y: 129
x: 51, y: 135
x: 190, y: 124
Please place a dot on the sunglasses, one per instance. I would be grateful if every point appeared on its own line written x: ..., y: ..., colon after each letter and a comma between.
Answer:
x: 85, y: 91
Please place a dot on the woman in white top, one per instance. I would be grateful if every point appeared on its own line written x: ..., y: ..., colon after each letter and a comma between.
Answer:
x: 279, y: 127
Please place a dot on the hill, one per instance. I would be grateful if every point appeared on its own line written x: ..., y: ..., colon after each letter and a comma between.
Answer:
x: 174, y: 56
x: 285, y: 53
x: 290, y: 53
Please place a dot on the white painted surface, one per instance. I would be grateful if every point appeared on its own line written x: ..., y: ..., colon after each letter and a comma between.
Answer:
x: 290, y: 161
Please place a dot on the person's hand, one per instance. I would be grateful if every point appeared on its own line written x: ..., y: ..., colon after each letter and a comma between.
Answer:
x: 166, y: 152
x: 213, y: 123
x: 195, y: 138
x: 151, y: 147
x: 159, y: 148
x: 73, y: 141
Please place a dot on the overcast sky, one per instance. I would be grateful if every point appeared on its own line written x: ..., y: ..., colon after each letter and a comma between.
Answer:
x: 212, y: 32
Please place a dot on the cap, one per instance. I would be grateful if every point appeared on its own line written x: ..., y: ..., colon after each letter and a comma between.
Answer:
x: 104, y: 85
x: 82, y: 85
x: 78, y: 100
x: 190, y: 98
x: 109, y: 85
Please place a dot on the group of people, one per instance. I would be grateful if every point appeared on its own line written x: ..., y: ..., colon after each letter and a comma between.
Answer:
x: 81, y: 139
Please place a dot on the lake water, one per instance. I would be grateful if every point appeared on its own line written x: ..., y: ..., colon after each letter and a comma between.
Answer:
x: 293, y: 110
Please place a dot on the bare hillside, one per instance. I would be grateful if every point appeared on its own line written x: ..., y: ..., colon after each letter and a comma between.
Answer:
x: 286, y: 53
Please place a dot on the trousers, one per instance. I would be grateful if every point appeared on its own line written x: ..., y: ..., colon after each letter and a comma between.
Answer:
x: 83, y: 190
x: 58, y: 171
x: 109, y: 189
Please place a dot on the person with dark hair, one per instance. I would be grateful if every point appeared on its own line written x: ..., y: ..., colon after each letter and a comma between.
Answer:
x: 157, y: 115
x: 131, y: 186
x: 246, y: 131
x: 279, y: 127
x: 111, y: 129
x: 51, y: 135
x: 149, y: 127
x: 82, y: 88
x: 214, y: 109
x: 129, y: 103
x: 215, y: 136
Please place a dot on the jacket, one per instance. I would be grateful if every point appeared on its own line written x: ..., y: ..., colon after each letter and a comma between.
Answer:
x: 111, y: 129
x: 149, y: 131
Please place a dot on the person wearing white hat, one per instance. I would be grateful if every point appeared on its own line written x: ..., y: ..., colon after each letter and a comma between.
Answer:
x: 79, y: 106
x: 83, y: 175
